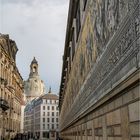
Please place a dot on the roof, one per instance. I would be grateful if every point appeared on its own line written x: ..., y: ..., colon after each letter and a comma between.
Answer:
x: 34, y: 61
x: 50, y: 96
x: 29, y: 106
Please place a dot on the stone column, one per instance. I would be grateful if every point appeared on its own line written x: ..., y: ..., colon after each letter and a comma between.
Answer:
x: 125, y: 123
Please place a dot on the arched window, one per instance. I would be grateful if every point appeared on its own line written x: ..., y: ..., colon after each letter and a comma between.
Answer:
x: 34, y: 69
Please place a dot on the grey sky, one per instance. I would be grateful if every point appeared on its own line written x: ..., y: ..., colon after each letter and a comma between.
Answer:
x: 38, y: 27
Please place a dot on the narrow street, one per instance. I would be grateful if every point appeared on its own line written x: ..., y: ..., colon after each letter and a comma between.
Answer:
x: 69, y: 69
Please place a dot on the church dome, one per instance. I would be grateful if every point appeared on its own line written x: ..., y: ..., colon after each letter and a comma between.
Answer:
x: 50, y: 96
x: 34, y: 86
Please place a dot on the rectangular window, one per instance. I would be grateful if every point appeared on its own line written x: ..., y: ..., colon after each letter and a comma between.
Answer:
x: 52, y: 119
x: 48, y: 119
x: 43, y: 119
x: 52, y: 107
x: 48, y: 113
x: 52, y: 126
x: 50, y: 101
x: 43, y: 113
x: 78, y: 21
x: 57, y: 126
x: 84, y: 4
x: 45, y: 134
x: 56, y: 119
x: 48, y: 126
x: 48, y: 107
x: 73, y: 45
x: 43, y: 126
x: 43, y: 107
x: 57, y: 113
x: 52, y: 113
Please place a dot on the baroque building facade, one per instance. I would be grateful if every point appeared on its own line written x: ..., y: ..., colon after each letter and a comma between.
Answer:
x: 34, y: 86
x: 41, y: 117
x: 99, y: 90
x: 11, y: 89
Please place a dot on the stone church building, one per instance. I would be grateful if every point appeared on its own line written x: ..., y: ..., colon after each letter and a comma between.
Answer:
x: 34, y: 86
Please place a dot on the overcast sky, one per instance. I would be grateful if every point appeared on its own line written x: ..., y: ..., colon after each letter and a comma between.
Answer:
x: 38, y: 27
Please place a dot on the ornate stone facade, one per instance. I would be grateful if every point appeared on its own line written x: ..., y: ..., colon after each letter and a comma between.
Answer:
x: 11, y: 88
x: 101, y: 61
x: 34, y: 86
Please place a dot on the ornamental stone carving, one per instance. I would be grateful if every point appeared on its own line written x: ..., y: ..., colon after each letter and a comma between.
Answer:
x: 111, y: 35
